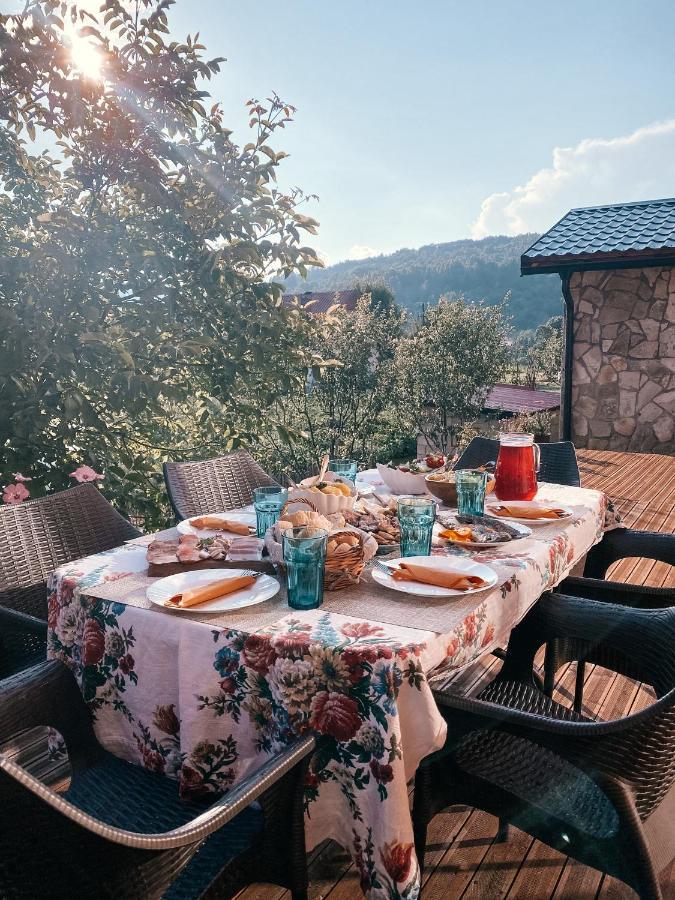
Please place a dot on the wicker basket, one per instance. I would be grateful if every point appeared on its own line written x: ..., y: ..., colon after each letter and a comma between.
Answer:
x: 343, y: 569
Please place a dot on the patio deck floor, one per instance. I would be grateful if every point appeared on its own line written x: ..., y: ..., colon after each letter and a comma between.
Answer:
x: 463, y: 858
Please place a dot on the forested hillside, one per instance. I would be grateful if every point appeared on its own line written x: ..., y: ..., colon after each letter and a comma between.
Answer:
x: 480, y: 270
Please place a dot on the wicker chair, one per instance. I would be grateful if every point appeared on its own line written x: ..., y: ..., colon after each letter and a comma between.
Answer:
x: 35, y: 538
x: 558, y: 460
x: 621, y: 543
x: 213, y: 485
x: 120, y: 831
x: 600, y: 792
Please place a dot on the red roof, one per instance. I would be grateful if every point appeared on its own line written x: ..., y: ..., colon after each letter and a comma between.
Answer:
x: 323, y: 300
x: 516, y: 399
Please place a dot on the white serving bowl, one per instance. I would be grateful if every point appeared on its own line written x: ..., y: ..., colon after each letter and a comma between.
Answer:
x: 324, y: 503
x: 403, y: 482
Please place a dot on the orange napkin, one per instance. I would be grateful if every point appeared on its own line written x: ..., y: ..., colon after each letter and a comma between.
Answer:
x: 457, y: 534
x: 459, y: 581
x: 194, y: 596
x: 219, y: 523
x: 527, y: 512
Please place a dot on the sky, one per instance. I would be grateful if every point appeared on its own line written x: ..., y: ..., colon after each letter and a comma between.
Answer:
x: 432, y: 121
x: 426, y: 122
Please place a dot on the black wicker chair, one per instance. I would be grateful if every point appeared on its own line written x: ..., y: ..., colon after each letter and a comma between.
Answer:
x: 622, y: 543
x: 558, y: 460
x: 120, y: 831
x: 213, y: 485
x: 600, y: 792
x: 35, y: 538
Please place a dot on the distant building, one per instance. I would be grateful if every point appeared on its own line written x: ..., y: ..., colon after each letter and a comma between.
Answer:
x: 506, y: 401
x: 321, y: 301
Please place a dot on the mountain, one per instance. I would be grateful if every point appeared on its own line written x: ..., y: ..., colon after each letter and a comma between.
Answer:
x: 480, y: 270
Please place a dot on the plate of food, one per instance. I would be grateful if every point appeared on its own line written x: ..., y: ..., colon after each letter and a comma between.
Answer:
x: 409, y: 477
x: 480, y: 532
x: 234, y: 524
x: 212, y: 591
x: 434, y: 576
x: 529, y: 512
x: 378, y: 521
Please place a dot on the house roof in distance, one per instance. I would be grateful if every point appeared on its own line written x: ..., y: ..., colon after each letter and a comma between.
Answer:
x: 625, y: 234
x: 514, y: 398
x: 323, y: 300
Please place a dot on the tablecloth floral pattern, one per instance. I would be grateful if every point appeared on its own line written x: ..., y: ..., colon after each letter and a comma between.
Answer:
x: 208, y: 705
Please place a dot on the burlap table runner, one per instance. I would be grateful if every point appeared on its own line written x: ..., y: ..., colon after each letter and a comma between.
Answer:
x: 366, y: 600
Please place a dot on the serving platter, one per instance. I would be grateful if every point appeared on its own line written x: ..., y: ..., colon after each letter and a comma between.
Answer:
x: 569, y: 513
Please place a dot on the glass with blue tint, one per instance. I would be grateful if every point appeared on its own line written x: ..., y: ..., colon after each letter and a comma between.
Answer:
x: 416, y: 516
x: 304, y: 550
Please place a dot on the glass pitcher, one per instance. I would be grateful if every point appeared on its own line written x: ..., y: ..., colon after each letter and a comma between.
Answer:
x: 517, y: 467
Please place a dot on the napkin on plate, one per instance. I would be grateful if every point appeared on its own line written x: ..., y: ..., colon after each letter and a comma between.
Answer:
x: 529, y: 511
x: 220, y: 588
x: 220, y: 523
x: 458, y: 581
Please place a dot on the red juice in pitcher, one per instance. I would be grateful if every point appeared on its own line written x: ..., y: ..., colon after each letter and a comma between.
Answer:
x: 517, y: 466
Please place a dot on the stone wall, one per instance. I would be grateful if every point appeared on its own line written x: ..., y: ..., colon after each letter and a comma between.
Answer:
x: 623, y: 376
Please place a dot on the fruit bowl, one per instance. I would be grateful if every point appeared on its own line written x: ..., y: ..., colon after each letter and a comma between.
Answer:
x: 324, y: 503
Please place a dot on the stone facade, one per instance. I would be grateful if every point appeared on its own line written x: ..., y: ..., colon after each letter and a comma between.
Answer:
x: 623, y: 375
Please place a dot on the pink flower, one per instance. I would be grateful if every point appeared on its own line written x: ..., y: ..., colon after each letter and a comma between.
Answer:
x: 15, y: 493
x: 360, y: 629
x: 84, y: 474
x: 19, y: 477
x: 335, y: 714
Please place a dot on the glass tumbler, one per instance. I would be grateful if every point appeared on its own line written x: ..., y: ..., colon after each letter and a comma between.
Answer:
x: 304, y: 550
x: 470, y: 492
x: 344, y: 467
x: 416, y: 516
x: 268, y: 502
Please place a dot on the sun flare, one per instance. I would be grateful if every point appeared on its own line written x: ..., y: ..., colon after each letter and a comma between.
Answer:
x: 85, y: 56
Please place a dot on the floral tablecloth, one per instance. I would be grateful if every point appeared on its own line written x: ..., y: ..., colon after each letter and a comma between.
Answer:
x: 208, y: 704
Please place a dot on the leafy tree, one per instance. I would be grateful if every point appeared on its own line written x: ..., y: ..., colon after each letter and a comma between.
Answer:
x: 138, y: 318
x: 447, y: 366
x: 346, y: 407
x: 544, y: 355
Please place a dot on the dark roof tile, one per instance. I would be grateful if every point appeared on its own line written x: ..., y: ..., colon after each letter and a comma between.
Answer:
x: 600, y: 232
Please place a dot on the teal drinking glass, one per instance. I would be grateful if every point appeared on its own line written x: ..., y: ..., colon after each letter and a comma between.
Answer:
x: 470, y: 492
x: 416, y: 516
x: 268, y: 502
x: 344, y: 467
x: 304, y: 550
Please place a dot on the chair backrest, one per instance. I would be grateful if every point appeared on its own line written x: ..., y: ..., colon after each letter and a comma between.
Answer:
x: 558, y: 460
x: 213, y: 485
x: 39, y: 535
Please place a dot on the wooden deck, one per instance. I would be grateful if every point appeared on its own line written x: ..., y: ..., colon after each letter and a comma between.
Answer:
x: 463, y: 858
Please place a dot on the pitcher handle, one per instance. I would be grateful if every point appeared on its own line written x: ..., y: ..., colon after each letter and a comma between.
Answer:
x: 537, y: 457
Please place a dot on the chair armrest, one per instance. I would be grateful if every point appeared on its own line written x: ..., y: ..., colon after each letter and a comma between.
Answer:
x: 635, y: 595
x: 626, y: 542
x: 47, y: 695
x: 19, y: 621
x: 222, y: 811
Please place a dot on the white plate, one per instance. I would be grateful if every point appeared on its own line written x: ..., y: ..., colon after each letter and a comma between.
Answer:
x: 456, y: 564
x: 185, y: 527
x: 531, y: 523
x: 262, y: 589
x: 483, y: 545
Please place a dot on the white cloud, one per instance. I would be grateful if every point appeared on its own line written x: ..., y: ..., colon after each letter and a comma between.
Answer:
x: 637, y: 166
x: 361, y: 251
